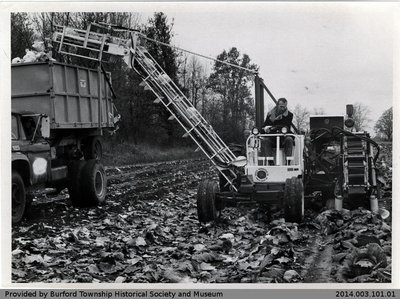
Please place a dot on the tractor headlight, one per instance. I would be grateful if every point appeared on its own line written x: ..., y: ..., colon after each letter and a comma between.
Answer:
x: 349, y: 122
x: 255, y: 131
x: 262, y: 174
x: 284, y: 130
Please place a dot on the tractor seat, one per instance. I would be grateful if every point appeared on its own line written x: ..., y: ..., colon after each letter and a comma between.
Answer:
x: 289, y: 160
x: 270, y: 161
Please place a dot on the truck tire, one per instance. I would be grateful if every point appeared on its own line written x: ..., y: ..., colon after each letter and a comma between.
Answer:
x: 18, y: 196
x: 294, y: 200
x: 74, y: 181
x: 93, y: 148
x: 94, y: 183
x: 206, y: 200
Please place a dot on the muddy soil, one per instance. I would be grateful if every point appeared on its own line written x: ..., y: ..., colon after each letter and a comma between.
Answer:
x: 148, y: 231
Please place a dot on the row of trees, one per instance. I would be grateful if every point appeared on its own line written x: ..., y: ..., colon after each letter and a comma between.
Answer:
x: 384, y: 125
x: 222, y: 95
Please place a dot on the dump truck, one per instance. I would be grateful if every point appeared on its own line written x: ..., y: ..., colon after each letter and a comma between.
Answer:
x: 59, y: 114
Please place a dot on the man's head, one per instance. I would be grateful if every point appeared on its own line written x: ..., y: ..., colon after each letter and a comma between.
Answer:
x: 281, y: 105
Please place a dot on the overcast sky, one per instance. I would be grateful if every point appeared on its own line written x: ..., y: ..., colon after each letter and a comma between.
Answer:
x: 314, y: 54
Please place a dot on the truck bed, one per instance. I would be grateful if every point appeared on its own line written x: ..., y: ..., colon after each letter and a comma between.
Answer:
x: 68, y: 94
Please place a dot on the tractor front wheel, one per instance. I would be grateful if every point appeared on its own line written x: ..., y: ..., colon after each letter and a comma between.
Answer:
x: 294, y: 200
x: 206, y: 200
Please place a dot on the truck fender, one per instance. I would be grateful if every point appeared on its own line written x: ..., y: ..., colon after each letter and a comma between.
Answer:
x: 20, y: 163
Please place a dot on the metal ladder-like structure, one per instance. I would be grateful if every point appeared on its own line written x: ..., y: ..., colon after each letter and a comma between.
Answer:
x: 94, y: 45
x: 356, y: 164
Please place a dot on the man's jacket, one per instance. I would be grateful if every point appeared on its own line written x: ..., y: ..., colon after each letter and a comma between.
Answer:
x: 274, y: 119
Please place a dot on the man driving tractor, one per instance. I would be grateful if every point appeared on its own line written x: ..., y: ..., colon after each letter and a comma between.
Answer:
x: 278, y: 118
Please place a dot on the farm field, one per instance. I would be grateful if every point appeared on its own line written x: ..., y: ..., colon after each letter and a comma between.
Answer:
x: 148, y: 232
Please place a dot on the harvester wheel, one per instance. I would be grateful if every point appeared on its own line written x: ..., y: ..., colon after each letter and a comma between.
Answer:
x: 294, y: 200
x: 94, y: 183
x: 74, y: 181
x: 93, y: 149
x: 206, y: 200
x: 18, y: 196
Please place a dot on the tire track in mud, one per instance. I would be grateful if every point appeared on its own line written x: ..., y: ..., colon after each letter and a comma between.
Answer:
x: 156, y: 178
x: 318, y: 264
x: 133, y: 182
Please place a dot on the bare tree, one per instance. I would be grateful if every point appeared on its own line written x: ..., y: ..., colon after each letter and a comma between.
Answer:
x: 301, y: 117
x: 318, y: 111
x: 361, y: 116
x: 182, y: 61
x: 384, y: 125
x: 22, y: 35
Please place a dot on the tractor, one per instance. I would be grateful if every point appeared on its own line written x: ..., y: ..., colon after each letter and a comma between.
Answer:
x: 330, y: 166
x: 268, y: 180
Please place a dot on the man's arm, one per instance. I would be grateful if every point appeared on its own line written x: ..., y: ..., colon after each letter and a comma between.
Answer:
x: 267, y: 121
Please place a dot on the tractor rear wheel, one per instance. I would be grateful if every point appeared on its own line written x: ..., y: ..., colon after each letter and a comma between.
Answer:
x: 294, y: 200
x: 206, y: 200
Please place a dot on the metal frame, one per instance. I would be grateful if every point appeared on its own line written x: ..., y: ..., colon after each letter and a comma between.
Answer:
x: 278, y: 172
x: 157, y: 80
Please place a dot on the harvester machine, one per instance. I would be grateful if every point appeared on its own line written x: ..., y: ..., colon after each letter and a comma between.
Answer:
x: 329, y: 160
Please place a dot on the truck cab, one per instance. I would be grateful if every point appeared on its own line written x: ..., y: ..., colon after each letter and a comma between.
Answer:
x: 36, y: 165
x: 31, y: 157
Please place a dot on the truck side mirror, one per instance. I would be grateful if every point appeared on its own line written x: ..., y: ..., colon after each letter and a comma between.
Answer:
x: 45, y: 127
x: 349, y: 110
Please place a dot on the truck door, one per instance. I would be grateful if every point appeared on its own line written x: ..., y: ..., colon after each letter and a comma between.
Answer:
x: 37, y: 149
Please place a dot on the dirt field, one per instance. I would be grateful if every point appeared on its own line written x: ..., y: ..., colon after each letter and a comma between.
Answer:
x: 148, y: 232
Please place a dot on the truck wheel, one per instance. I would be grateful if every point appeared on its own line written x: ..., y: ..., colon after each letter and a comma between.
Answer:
x: 18, y: 196
x: 294, y: 200
x: 206, y: 207
x: 74, y: 181
x: 93, y: 149
x: 94, y: 183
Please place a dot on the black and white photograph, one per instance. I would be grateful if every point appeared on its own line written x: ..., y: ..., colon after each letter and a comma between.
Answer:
x: 200, y: 143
